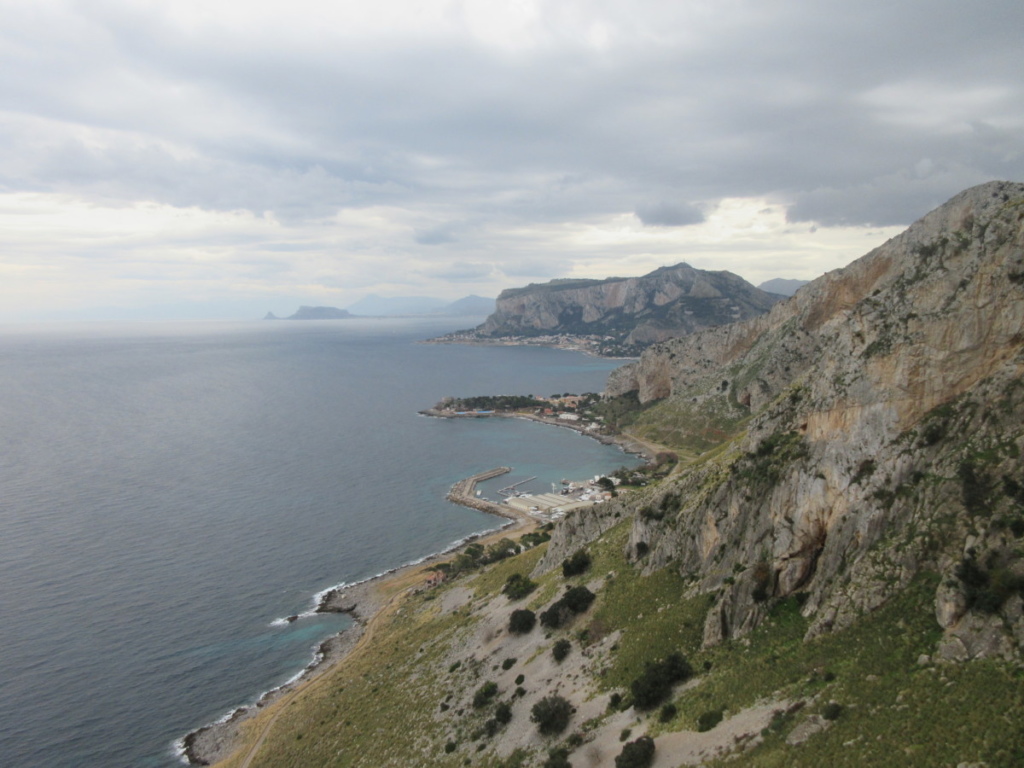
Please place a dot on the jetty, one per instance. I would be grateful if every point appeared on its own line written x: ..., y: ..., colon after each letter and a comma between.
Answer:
x: 508, y: 490
x: 464, y: 493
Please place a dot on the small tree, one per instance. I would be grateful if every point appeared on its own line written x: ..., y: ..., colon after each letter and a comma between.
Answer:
x: 577, y: 564
x: 521, y: 621
x: 517, y: 586
x: 551, y: 714
x: 636, y: 754
x: 561, y: 649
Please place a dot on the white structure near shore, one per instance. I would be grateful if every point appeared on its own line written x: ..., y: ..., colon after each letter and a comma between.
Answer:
x: 547, y: 503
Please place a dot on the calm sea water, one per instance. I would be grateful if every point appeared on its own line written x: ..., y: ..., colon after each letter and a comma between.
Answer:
x: 168, y: 491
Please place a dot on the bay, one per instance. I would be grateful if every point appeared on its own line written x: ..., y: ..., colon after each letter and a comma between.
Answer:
x: 167, y: 491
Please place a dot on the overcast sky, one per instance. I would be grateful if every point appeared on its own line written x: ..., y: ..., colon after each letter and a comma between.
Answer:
x: 234, y: 157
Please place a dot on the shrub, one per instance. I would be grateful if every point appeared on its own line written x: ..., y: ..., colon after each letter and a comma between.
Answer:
x: 709, y: 720
x: 575, y: 600
x: 561, y: 649
x: 578, y: 599
x: 508, y: 664
x: 518, y: 586
x: 667, y: 713
x: 577, y: 564
x: 450, y: 747
x: 484, y: 694
x: 636, y: 754
x: 557, y: 758
x: 655, y: 683
x: 551, y: 714
x: 503, y: 713
x: 615, y: 700
x: 832, y: 710
x: 521, y: 621
x: 519, y: 679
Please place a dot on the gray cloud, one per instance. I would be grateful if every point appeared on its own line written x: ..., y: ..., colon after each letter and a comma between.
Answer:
x: 669, y: 215
x: 863, y: 114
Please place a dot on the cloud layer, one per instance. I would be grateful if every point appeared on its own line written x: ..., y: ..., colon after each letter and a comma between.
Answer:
x: 315, y: 149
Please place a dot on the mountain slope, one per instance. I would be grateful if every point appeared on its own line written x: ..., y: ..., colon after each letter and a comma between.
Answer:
x: 884, y: 415
x: 671, y: 301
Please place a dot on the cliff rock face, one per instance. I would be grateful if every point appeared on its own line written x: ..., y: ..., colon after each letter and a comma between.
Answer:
x: 879, y: 423
x: 668, y: 302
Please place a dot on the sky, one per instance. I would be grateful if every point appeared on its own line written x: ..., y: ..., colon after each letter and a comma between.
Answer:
x: 212, y: 158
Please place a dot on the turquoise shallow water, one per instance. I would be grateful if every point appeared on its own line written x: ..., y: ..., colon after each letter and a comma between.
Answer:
x: 168, y: 491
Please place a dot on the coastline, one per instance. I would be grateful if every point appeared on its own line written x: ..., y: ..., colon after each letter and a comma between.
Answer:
x: 363, y: 601
x: 628, y: 443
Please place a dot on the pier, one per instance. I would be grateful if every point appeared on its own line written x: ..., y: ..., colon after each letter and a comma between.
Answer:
x: 508, y: 490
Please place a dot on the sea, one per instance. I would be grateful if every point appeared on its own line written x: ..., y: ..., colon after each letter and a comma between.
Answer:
x: 169, y: 492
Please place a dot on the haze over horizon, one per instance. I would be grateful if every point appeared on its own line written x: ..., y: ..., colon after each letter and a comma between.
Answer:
x: 251, y: 157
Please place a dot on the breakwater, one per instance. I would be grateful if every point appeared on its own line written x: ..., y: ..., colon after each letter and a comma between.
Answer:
x: 464, y: 493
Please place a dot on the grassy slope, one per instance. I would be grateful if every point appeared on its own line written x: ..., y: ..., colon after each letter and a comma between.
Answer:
x: 381, y: 707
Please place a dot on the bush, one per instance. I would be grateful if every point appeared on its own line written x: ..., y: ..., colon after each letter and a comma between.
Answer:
x: 575, y: 600
x: 668, y: 712
x: 636, y: 754
x: 518, y: 586
x: 450, y: 747
x: 709, y: 720
x: 484, y: 694
x: 521, y: 621
x: 561, y: 649
x: 578, y: 599
x: 577, y: 564
x: 507, y: 664
x: 551, y: 714
x: 503, y: 713
x: 832, y: 711
x: 557, y: 758
x: 655, y: 683
x: 520, y: 679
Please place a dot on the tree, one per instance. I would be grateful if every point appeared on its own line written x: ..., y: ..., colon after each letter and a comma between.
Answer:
x: 636, y: 754
x: 655, y: 683
x: 577, y: 564
x: 518, y: 586
x: 521, y: 621
x: 561, y: 649
x: 551, y: 714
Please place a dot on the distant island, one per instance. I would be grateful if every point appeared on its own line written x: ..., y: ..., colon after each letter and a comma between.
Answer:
x: 314, y: 313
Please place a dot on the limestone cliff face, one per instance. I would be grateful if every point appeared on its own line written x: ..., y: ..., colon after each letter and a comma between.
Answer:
x: 883, y: 408
x: 668, y: 302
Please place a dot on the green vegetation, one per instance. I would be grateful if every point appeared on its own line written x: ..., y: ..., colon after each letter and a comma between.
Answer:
x: 654, y: 685
x: 636, y: 754
x: 521, y: 621
x: 495, y: 403
x: 551, y: 714
x: 561, y: 649
x: 575, y: 600
x: 578, y: 563
x: 518, y: 586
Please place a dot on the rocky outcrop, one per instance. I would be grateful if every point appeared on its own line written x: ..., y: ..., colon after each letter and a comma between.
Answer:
x: 669, y: 302
x: 877, y: 420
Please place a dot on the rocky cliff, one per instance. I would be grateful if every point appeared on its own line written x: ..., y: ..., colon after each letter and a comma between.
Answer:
x: 869, y: 429
x: 669, y: 302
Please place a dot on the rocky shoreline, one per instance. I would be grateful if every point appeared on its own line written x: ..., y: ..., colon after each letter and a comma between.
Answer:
x: 362, y: 601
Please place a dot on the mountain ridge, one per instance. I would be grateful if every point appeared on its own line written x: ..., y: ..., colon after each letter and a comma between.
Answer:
x: 632, y: 312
